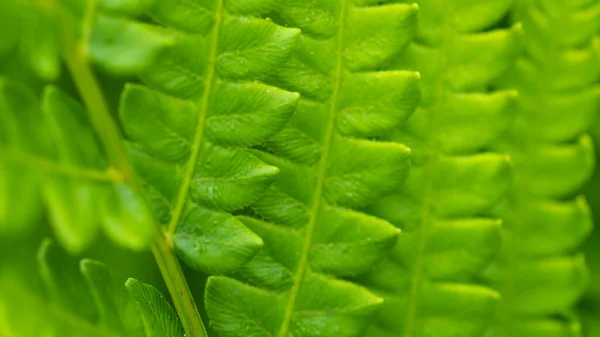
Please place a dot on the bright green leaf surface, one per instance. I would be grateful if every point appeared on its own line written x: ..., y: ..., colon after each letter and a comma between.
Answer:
x: 160, y: 320
x: 309, y: 219
x: 201, y: 106
x: 428, y: 282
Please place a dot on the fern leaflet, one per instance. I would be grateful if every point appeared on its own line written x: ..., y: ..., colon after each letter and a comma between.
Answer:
x: 83, y: 194
x: 80, y: 174
x: 85, y: 301
x: 540, y: 276
x: 429, y: 281
x: 308, y: 218
x: 200, y: 107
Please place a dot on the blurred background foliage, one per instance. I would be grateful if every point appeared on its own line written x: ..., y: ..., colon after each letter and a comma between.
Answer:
x: 589, y: 306
x: 18, y: 251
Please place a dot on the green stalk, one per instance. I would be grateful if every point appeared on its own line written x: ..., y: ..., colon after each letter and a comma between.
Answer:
x: 76, y: 59
x: 178, y: 287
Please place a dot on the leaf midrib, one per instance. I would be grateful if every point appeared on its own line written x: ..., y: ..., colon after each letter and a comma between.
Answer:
x: 321, y: 174
x: 428, y: 200
x: 199, y: 135
x: 506, y: 315
x: 43, y: 165
x: 112, y: 141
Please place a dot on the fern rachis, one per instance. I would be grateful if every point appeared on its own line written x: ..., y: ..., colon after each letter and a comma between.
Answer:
x: 195, y: 168
x: 312, y: 232
x: 429, y: 281
x: 540, y: 274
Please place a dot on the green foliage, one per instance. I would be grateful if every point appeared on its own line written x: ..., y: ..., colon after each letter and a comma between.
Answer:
x: 325, y: 168
x: 539, y: 273
x: 429, y: 282
x: 192, y: 122
x: 45, y: 163
x: 310, y: 219
x: 115, y: 42
x: 85, y: 301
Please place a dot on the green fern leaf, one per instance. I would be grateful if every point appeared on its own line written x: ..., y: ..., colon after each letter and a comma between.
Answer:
x: 200, y: 109
x: 85, y: 301
x: 309, y: 219
x: 429, y: 282
x: 43, y: 160
x: 136, y: 44
x: 158, y: 316
x: 540, y: 274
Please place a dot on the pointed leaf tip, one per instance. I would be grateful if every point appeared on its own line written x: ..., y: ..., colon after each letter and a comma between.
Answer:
x: 215, y: 242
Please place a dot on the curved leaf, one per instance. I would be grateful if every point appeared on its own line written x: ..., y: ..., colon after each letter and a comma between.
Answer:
x: 310, y: 219
x: 201, y: 105
x: 429, y: 281
x: 67, y: 170
x: 85, y: 301
x: 540, y: 274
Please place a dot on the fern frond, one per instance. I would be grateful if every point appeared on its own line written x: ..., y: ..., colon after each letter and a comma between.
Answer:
x: 310, y: 219
x: 201, y: 107
x: 540, y: 274
x: 44, y: 162
x: 429, y: 282
x: 85, y: 301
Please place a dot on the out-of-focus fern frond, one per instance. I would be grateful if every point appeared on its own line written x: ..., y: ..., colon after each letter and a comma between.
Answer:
x: 51, y: 157
x: 83, y: 302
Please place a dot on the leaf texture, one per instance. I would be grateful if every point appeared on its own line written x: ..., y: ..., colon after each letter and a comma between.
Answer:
x: 44, y: 162
x: 85, y: 301
x: 429, y: 282
x: 330, y: 167
x: 540, y: 274
x: 201, y: 108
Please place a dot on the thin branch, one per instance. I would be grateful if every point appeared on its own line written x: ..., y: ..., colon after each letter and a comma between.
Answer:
x: 76, y: 58
x: 209, y: 84
x: 177, y: 285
